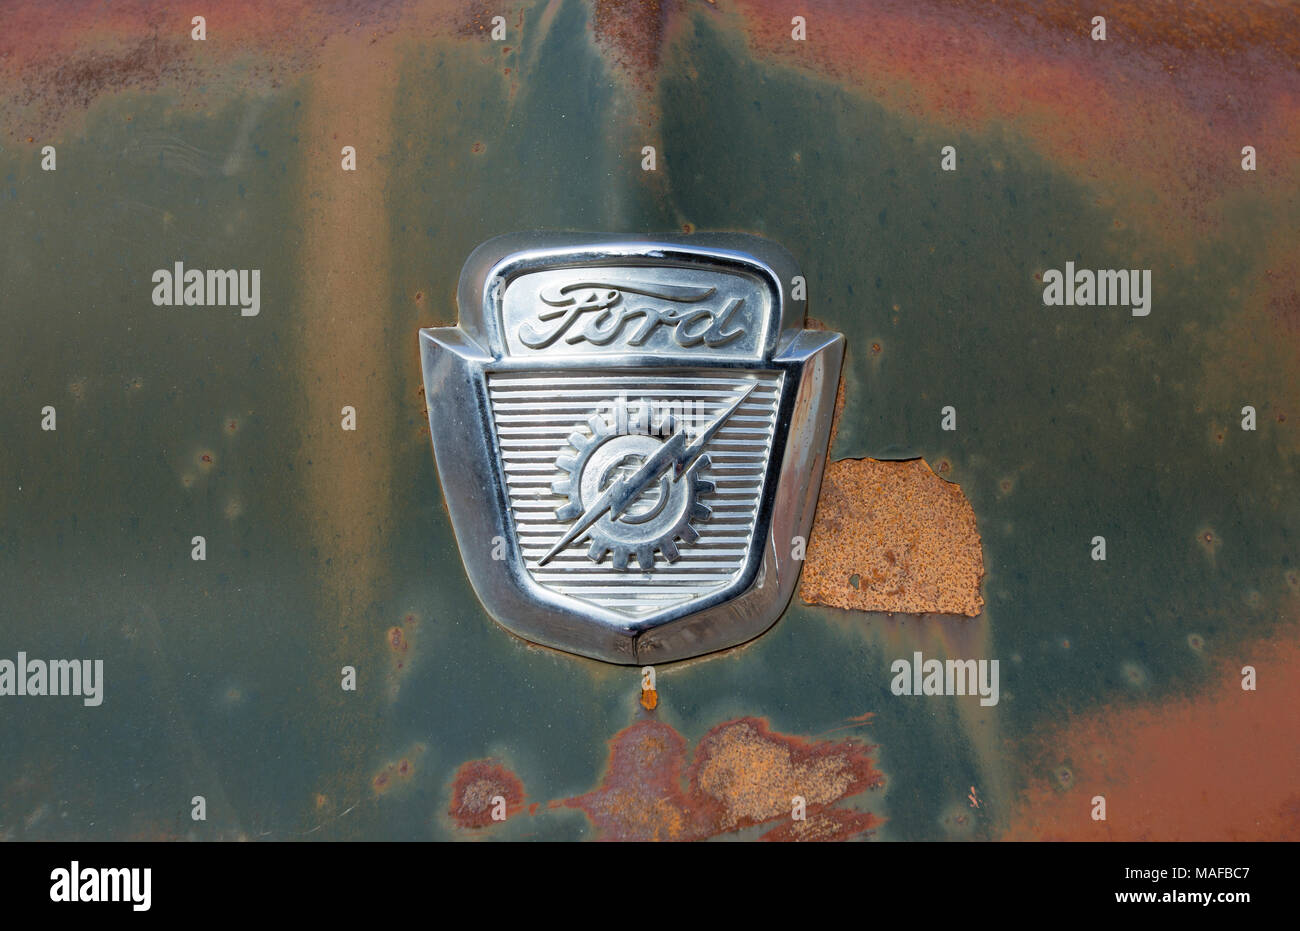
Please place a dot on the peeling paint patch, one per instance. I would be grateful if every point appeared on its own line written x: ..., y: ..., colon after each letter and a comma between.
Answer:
x: 751, y: 774
x: 743, y: 774
x: 893, y: 537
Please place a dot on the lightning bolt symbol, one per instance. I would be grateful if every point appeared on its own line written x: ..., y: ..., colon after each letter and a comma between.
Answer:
x: 675, y: 454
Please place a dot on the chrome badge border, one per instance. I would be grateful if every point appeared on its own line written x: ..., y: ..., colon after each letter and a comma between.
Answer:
x: 457, y: 361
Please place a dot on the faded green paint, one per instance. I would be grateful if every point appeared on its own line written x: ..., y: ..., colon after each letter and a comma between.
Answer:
x: 219, y: 683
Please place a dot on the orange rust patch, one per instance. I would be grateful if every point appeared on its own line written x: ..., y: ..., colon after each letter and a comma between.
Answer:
x: 752, y: 774
x: 893, y: 536
x: 476, y: 785
x: 477, y: 18
x: 649, y: 699
x: 52, y: 67
x: 743, y: 774
x: 1217, y: 767
x: 830, y: 825
x: 631, y: 32
x: 1156, y: 114
x: 641, y: 796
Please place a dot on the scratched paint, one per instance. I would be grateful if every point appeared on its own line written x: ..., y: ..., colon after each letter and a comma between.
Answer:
x: 224, y: 676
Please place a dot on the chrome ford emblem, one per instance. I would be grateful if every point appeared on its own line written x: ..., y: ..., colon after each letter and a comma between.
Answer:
x: 630, y: 435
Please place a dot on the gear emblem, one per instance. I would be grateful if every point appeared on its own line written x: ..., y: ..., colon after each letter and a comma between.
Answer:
x: 660, y: 516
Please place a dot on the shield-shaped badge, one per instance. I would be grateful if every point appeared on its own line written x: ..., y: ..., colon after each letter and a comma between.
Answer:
x: 630, y: 435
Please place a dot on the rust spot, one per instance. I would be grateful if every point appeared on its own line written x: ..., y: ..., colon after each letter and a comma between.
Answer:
x: 478, y: 148
x: 742, y: 775
x: 1133, y: 674
x: 908, y: 535
x: 752, y: 774
x: 1209, y: 540
x: 81, y: 77
x: 832, y: 824
x: 397, y: 640
x: 393, y: 775
x: 474, y: 788
x: 631, y: 32
x: 649, y: 699
x: 641, y: 796
x: 477, y: 18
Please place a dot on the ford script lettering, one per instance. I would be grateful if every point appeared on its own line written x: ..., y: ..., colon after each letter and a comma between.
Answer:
x: 598, y: 313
